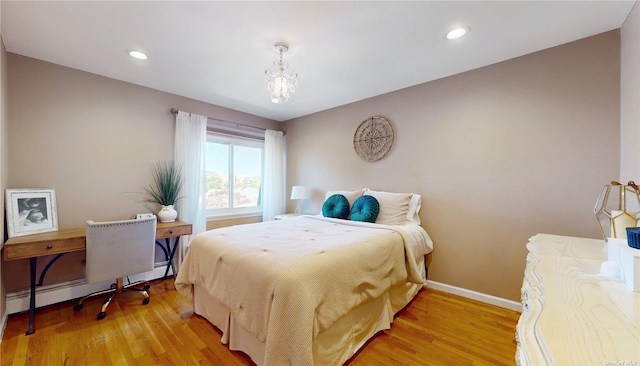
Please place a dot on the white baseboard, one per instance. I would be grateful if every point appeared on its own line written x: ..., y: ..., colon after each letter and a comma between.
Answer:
x: 479, y: 296
x: 46, y: 295
x: 3, y: 325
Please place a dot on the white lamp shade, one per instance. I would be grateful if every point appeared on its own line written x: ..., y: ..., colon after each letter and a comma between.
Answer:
x: 299, y: 193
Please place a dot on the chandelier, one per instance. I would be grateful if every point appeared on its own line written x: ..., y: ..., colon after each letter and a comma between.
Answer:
x: 280, y: 83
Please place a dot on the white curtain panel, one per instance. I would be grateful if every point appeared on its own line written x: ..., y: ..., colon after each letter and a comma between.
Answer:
x: 273, y: 189
x: 190, y: 144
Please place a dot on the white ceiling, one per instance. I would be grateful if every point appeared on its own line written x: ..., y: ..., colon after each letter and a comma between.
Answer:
x: 216, y: 52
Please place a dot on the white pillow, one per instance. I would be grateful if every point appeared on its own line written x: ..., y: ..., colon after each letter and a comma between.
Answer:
x: 414, y: 209
x: 394, y: 207
x: 351, y: 196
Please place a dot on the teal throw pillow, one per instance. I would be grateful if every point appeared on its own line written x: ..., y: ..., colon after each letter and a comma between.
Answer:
x: 336, y: 206
x: 365, y: 208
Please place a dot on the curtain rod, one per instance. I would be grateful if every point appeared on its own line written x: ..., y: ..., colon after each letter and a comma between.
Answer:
x: 175, y: 111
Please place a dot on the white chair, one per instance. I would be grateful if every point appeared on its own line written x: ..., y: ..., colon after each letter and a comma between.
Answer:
x: 117, y: 249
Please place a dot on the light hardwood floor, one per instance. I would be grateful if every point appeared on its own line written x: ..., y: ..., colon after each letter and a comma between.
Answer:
x: 435, y: 329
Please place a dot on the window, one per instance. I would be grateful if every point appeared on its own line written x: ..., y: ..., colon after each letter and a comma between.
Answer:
x: 233, y: 175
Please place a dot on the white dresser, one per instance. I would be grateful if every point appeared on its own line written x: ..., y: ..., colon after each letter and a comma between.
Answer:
x: 570, y: 318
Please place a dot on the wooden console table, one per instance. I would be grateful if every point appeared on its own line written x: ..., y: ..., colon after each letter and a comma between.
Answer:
x: 73, y: 240
x: 571, y: 317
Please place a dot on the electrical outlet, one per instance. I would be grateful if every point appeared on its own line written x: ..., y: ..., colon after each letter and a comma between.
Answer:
x: 143, y: 216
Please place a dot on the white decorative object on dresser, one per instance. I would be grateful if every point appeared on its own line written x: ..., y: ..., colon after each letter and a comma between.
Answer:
x: 571, y: 314
x: 625, y: 260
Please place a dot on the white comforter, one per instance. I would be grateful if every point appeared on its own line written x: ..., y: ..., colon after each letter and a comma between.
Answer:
x: 286, y: 281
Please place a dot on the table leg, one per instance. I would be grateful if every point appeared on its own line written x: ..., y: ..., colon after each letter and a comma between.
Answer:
x: 33, y: 261
x: 173, y: 252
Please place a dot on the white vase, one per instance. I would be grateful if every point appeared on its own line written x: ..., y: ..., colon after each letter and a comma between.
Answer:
x: 167, y: 214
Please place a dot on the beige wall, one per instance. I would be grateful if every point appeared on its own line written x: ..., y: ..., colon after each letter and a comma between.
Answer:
x: 92, y: 139
x: 4, y: 162
x: 630, y: 97
x: 498, y: 154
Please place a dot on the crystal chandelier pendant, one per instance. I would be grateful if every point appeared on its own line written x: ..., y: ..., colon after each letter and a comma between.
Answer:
x: 280, y: 83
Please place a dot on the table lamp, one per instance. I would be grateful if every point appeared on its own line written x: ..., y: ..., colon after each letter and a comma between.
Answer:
x: 299, y: 193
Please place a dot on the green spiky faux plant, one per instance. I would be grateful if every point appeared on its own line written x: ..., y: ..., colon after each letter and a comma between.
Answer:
x: 167, y: 178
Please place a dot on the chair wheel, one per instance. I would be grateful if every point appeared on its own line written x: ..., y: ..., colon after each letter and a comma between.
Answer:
x: 146, y: 287
x: 101, y: 315
x: 78, y: 307
x: 145, y: 301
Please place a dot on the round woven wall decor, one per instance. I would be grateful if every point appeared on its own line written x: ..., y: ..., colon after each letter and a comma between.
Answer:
x: 373, y: 139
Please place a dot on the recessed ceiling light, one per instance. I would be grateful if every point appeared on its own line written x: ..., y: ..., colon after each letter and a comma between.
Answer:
x: 137, y: 54
x: 458, y: 32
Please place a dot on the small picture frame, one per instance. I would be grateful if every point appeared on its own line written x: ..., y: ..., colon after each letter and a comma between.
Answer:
x: 31, y: 211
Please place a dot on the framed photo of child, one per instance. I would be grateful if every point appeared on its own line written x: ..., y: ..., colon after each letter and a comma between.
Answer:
x: 31, y: 211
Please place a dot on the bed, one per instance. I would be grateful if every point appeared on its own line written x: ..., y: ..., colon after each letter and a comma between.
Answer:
x: 310, y: 290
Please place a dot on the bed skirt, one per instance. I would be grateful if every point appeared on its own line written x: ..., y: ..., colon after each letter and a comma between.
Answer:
x: 335, y: 345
